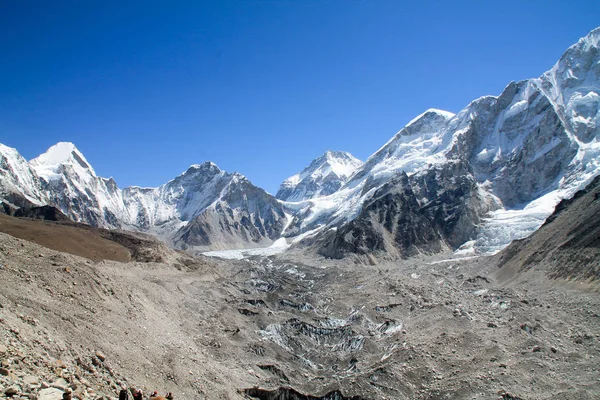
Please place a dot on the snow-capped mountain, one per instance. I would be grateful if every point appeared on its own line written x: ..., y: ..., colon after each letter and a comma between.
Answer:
x: 204, y: 207
x: 471, y: 181
x: 19, y: 184
x: 70, y: 183
x: 322, y: 177
x: 514, y: 156
x: 243, y: 216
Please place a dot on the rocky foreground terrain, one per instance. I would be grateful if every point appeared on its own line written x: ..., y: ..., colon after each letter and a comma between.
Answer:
x: 295, y: 326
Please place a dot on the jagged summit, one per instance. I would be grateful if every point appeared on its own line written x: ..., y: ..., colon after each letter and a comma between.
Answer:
x: 591, y: 39
x: 322, y: 177
x: 63, y: 153
x: 432, y: 113
x: 207, y: 165
x: 204, y: 169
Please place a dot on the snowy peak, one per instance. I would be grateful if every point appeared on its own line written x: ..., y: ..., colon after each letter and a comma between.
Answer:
x: 325, y: 175
x: 48, y: 165
x: 592, y: 39
x: 420, y: 143
x: 431, y: 114
x: 19, y: 184
x: 207, y: 166
x: 206, y: 170
x: 342, y: 163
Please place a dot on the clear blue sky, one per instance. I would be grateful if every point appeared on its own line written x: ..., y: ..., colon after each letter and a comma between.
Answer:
x: 144, y: 89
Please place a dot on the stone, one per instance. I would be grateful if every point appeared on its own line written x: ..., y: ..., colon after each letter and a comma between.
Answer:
x: 100, y: 356
x: 527, y: 328
x: 60, y: 384
x: 11, y: 391
x: 32, y: 380
x: 50, y: 394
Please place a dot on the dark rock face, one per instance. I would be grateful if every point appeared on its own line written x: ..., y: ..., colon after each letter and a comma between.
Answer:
x: 455, y: 204
x: 398, y: 221
x: 391, y: 220
x: 47, y: 213
x: 7, y: 208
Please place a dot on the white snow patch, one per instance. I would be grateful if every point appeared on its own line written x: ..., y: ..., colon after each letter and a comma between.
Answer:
x: 63, y: 153
x: 278, y: 247
x: 515, y: 109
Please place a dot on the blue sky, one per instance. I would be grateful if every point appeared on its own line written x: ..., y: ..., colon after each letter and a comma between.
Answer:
x: 260, y: 87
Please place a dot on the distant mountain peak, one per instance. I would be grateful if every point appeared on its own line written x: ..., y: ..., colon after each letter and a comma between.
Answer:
x: 62, y: 153
x: 325, y: 175
x: 207, y: 166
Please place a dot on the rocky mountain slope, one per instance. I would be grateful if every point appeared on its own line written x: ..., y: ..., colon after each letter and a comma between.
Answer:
x: 472, y: 181
x: 567, y: 245
x: 86, y: 241
x: 324, y: 176
x: 290, y: 327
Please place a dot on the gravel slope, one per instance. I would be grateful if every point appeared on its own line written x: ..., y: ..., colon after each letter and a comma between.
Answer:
x: 421, y: 329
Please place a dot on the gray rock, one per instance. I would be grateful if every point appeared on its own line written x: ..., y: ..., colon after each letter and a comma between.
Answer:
x: 50, y: 394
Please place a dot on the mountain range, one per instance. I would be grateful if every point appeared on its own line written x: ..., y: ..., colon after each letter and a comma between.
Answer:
x: 470, y: 182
